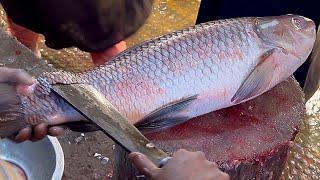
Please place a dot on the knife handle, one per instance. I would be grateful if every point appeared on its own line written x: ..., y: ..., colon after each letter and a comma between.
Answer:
x: 164, y: 161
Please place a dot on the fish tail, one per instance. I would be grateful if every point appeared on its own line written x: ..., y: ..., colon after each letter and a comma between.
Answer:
x: 22, y: 106
x: 12, y: 113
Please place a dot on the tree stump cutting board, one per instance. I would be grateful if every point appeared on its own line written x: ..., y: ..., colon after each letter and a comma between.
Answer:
x: 248, y: 141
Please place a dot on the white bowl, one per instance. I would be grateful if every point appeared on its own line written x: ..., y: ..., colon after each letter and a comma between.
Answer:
x: 42, y: 160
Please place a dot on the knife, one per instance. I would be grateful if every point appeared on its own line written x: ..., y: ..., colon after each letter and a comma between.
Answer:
x: 85, y: 99
x: 95, y: 107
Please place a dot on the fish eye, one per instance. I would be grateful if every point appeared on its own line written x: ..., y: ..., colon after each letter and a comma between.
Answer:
x: 298, y: 23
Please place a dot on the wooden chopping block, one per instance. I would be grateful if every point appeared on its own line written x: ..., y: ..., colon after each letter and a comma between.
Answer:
x: 248, y: 141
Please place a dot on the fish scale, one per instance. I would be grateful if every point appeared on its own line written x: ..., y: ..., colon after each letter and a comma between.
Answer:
x: 171, y: 79
x: 143, y: 57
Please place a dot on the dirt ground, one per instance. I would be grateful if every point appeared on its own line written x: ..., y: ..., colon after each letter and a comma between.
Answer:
x: 87, y: 155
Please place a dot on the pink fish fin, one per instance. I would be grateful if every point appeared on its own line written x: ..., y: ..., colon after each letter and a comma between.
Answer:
x: 165, y: 117
x: 258, y: 80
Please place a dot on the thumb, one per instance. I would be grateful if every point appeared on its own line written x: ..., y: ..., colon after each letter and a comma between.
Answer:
x: 15, y: 76
x: 143, y: 164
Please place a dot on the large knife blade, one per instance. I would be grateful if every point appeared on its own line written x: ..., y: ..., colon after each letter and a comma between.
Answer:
x: 93, y: 105
x: 88, y: 101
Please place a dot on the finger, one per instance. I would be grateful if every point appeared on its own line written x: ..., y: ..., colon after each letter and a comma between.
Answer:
x: 15, y: 75
x: 23, y: 135
x: 23, y: 77
x: 217, y: 172
x: 201, y: 155
x: 142, y: 163
x: 220, y: 175
x: 212, y: 164
x: 56, y: 131
x: 121, y: 46
x: 40, y: 131
x: 225, y: 176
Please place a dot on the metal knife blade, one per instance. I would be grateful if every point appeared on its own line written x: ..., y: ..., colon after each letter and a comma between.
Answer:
x: 93, y: 105
x: 99, y: 110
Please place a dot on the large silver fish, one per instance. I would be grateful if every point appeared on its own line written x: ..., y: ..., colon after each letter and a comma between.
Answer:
x: 169, y: 80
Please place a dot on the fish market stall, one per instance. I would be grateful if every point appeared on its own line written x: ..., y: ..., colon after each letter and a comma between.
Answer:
x: 256, y: 135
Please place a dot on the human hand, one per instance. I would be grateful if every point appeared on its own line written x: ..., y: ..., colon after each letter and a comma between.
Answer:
x: 20, y: 77
x: 183, y: 165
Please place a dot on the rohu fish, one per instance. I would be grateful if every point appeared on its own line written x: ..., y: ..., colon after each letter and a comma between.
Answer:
x: 170, y: 79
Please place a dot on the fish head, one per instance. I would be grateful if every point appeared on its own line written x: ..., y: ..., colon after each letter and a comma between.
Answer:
x: 291, y: 37
x: 293, y: 34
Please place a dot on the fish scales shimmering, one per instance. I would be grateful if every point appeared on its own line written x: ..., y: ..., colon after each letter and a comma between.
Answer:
x: 168, y: 80
x: 172, y: 69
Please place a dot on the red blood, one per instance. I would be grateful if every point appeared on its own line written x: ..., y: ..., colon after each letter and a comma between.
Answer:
x: 18, y: 53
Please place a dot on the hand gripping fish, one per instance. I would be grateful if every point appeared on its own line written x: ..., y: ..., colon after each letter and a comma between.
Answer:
x: 168, y: 80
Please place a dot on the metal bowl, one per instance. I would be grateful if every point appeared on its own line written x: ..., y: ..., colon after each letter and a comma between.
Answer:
x: 39, y: 160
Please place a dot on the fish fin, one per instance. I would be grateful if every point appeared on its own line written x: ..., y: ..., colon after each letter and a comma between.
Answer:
x: 258, y: 80
x: 82, y: 126
x: 165, y: 117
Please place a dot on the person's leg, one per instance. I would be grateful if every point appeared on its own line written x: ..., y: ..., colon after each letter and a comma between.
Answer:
x: 99, y: 58
x: 30, y: 40
x: 25, y: 36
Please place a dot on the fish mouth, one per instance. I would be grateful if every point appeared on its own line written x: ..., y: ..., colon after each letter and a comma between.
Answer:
x: 309, y: 24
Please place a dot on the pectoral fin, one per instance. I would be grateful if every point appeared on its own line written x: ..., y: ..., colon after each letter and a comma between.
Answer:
x: 165, y: 117
x: 258, y: 80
